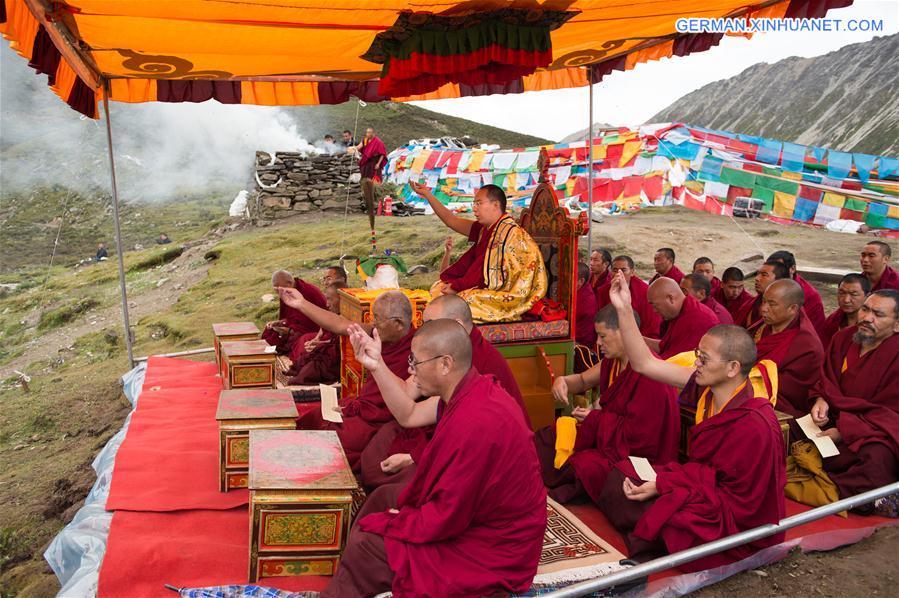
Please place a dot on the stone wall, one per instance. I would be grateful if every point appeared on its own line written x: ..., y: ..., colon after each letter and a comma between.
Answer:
x: 304, y: 184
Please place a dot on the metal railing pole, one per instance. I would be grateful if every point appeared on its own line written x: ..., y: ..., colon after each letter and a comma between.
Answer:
x: 120, y: 249
x: 703, y: 550
x: 590, y: 165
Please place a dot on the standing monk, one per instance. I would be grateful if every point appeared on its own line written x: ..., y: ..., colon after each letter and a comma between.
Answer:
x: 814, y: 307
x: 365, y: 413
x: 472, y: 519
x: 372, y: 157
x: 705, y: 267
x: 392, y: 453
x: 502, y: 275
x: 663, y: 261
x: 749, y: 315
x: 291, y: 324
x: 650, y: 322
x: 724, y: 487
x: 685, y: 318
x: 698, y: 286
x: 851, y: 295
x: 857, y: 399
x: 875, y: 263
x: 600, y: 268
x: 785, y: 336
x: 636, y: 416
x: 732, y: 294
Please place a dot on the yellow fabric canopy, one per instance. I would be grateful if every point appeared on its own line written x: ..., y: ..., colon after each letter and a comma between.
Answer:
x: 293, y: 52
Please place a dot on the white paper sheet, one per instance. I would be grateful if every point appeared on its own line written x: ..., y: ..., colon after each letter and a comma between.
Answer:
x: 825, y: 445
x: 643, y: 468
x: 329, y: 402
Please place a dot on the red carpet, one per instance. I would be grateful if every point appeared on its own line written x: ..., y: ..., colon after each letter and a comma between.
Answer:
x: 169, y: 462
x: 169, y: 459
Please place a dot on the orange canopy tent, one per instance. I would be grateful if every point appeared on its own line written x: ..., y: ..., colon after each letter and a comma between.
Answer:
x: 295, y: 52
x: 307, y: 52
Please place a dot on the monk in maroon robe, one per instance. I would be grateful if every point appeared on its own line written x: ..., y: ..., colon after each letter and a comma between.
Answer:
x: 663, y: 261
x: 636, y: 416
x: 875, y: 263
x: 585, y: 309
x: 732, y: 292
x: 814, y: 307
x: 685, y: 318
x: 471, y: 521
x: 600, y: 268
x: 851, y: 295
x: 724, y: 488
x: 372, y: 158
x: 650, y: 322
x: 392, y: 454
x: 315, y: 358
x: 706, y: 267
x: 291, y: 323
x: 785, y: 336
x: 364, y: 414
x: 698, y: 287
x: 749, y: 315
x: 857, y: 398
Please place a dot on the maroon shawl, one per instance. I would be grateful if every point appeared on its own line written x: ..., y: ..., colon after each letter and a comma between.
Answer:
x: 748, y: 316
x: 864, y: 400
x: 833, y: 324
x: 813, y: 306
x: 798, y: 353
x: 650, y: 322
x: 637, y: 417
x: 298, y: 322
x: 888, y: 280
x: 322, y: 365
x: 725, y: 487
x: 720, y: 311
x: 597, y: 282
x: 468, y: 271
x: 734, y: 306
x: 584, y: 330
x: 684, y: 331
x: 471, y: 522
x: 674, y: 273
x: 372, y: 158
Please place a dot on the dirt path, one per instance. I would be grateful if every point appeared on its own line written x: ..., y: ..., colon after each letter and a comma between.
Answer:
x: 179, y: 275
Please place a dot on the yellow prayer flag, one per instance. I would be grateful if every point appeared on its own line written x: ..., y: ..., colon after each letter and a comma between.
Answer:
x: 599, y: 152
x: 418, y: 164
x: 893, y: 212
x: 631, y: 149
x: 474, y: 164
x: 784, y: 204
x: 794, y: 176
x: 832, y: 199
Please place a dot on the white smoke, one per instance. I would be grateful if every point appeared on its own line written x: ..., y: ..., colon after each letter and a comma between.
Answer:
x: 162, y: 150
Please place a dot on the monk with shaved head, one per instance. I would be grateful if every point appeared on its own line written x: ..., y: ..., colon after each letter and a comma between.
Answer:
x: 768, y: 272
x: 364, y: 414
x: 685, y: 319
x: 735, y: 472
x: 393, y: 452
x: 292, y: 324
x: 471, y: 520
x: 785, y: 335
x: 813, y: 306
x: 699, y: 287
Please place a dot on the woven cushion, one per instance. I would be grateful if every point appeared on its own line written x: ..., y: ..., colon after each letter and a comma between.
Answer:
x: 509, y: 332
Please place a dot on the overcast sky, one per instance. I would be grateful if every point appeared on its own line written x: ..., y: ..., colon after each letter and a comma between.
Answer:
x: 631, y: 98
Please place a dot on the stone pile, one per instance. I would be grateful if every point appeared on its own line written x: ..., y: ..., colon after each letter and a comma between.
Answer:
x: 294, y: 184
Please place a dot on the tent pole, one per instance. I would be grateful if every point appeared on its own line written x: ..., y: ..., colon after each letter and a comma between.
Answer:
x: 590, y: 166
x: 118, y: 228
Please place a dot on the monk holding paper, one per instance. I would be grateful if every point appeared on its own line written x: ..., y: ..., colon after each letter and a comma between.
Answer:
x: 364, y: 414
x: 471, y: 521
x: 857, y: 400
x: 636, y: 416
x: 502, y: 275
x: 724, y: 487
x: 785, y: 335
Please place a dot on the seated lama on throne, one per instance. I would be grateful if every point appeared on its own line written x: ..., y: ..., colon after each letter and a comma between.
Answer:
x: 503, y: 274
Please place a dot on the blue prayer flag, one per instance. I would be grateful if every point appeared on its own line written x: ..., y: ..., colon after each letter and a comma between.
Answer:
x: 888, y: 166
x: 864, y: 164
x: 769, y: 151
x: 805, y: 209
x: 838, y: 164
x: 793, y: 156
